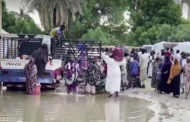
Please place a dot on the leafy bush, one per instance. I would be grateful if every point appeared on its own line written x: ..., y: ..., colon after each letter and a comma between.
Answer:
x: 98, y: 34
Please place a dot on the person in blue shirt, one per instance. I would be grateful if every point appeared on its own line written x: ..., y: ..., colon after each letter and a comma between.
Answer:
x: 134, y: 71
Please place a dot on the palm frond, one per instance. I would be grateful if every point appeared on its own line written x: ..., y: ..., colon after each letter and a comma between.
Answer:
x: 46, y: 10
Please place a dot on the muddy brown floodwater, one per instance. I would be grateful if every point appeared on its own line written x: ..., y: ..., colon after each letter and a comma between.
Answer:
x: 59, y: 107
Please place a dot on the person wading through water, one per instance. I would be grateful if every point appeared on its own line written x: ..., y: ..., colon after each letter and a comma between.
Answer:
x: 113, y: 79
x: 41, y: 59
x: 31, y: 76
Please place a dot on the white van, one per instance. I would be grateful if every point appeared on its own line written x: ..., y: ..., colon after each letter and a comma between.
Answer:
x: 148, y: 48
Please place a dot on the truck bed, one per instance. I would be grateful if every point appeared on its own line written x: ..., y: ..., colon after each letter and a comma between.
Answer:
x: 12, y: 71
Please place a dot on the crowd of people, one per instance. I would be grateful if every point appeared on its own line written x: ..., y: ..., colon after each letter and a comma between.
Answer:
x: 170, y: 72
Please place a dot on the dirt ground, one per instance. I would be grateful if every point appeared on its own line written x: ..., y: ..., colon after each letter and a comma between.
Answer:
x: 166, y: 107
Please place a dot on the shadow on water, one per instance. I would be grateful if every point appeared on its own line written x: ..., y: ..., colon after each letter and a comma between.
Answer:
x: 60, y: 107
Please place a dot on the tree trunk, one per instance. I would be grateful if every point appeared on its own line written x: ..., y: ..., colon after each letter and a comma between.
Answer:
x: 54, y: 17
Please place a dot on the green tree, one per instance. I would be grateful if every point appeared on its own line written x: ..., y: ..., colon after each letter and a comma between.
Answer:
x: 180, y: 33
x: 7, y: 18
x: 94, y: 12
x: 22, y: 15
x: 14, y: 22
x: 164, y: 32
x: 98, y: 34
x: 24, y: 26
x: 148, y: 18
x: 54, y: 13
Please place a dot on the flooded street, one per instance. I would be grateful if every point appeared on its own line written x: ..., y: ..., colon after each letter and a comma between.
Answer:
x: 59, y: 107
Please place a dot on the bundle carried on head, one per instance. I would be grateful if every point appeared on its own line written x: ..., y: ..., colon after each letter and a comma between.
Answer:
x: 118, y: 53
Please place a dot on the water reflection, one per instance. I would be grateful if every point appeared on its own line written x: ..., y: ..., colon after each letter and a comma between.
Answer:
x: 60, y: 107
x: 112, y: 111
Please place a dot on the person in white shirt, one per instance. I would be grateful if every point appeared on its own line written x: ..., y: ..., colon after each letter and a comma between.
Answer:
x: 113, y: 79
x: 178, y: 55
x: 139, y: 52
x: 151, y: 58
x: 143, y: 63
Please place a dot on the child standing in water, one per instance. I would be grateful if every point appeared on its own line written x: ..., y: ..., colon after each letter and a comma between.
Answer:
x: 71, y: 76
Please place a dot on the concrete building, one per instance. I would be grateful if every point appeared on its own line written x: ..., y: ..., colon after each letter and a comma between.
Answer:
x: 185, y: 5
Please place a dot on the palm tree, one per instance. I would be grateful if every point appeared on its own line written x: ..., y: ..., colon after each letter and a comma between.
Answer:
x: 54, y: 13
x: 22, y: 15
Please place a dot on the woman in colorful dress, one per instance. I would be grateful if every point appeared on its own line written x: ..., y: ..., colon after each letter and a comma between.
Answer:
x: 72, y: 68
x: 129, y: 77
x: 93, y: 75
x: 31, y: 76
x: 186, y: 75
x: 154, y: 72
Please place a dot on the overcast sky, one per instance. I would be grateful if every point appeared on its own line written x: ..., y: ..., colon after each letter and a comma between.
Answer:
x: 14, y: 5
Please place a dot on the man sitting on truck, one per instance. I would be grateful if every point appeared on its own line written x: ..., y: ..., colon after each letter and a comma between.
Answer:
x: 58, y: 34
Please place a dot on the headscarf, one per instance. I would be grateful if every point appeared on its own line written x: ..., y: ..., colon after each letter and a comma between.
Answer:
x: 42, y: 53
x: 29, y: 67
x: 174, y: 71
x: 166, y: 65
x: 167, y: 61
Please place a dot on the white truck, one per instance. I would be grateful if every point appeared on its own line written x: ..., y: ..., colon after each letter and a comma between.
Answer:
x: 12, y: 70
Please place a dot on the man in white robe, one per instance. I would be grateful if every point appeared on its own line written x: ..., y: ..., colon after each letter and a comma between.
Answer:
x: 113, y: 79
x: 143, y: 63
x: 151, y: 58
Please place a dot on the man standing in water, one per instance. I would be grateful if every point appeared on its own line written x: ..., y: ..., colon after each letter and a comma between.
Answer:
x: 113, y: 79
x: 143, y: 63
